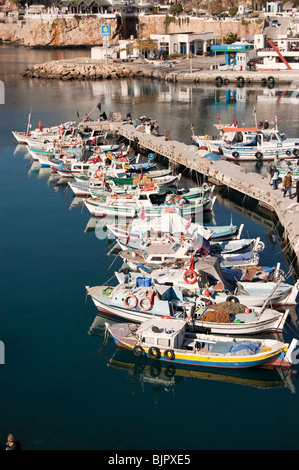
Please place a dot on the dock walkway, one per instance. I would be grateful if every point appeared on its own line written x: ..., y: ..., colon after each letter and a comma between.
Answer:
x: 221, y: 173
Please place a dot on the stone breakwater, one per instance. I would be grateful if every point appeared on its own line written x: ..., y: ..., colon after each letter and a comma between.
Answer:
x: 88, y: 69
x: 84, y: 70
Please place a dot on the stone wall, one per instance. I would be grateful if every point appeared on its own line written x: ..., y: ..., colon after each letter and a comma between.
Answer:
x: 86, y: 31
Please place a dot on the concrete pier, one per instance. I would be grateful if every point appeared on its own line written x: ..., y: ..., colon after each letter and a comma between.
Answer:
x: 221, y: 173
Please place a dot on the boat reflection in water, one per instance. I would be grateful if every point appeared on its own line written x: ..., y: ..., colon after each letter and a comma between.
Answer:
x: 145, y: 370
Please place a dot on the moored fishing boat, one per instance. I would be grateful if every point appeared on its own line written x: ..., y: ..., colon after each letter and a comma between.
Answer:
x: 253, y: 144
x: 150, y: 204
x: 174, y: 224
x: 254, y: 286
x: 140, y: 300
x: 171, y: 340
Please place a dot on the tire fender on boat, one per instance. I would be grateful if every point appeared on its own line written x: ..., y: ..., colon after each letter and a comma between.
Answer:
x: 259, y: 155
x: 154, y: 352
x: 169, y: 354
x: 138, y: 350
x: 232, y: 298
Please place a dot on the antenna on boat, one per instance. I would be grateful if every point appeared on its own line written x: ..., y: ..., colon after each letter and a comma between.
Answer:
x: 254, y: 112
x: 28, y: 121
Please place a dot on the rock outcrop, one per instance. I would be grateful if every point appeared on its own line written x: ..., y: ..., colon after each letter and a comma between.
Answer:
x: 86, y: 30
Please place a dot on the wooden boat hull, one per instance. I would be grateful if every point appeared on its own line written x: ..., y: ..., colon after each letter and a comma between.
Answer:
x: 266, y: 356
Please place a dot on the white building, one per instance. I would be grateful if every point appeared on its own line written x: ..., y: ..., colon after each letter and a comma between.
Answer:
x: 183, y: 43
x: 273, y: 7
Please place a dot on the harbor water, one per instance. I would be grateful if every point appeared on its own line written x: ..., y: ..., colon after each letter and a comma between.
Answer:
x: 60, y: 388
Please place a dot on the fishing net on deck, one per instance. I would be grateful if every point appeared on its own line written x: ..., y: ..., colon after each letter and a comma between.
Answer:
x: 216, y: 316
x: 231, y: 307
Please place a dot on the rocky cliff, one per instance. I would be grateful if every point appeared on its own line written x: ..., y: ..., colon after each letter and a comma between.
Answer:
x: 86, y: 31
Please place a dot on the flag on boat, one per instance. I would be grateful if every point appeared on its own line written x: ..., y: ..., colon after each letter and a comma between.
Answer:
x: 218, y: 117
x: 141, y: 175
x: 142, y: 214
x: 189, y: 222
x: 93, y: 141
x: 275, y: 120
x: 235, y: 123
x: 128, y: 239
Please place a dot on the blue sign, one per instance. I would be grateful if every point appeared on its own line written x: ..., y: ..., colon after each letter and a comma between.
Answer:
x: 105, y: 30
x: 232, y: 48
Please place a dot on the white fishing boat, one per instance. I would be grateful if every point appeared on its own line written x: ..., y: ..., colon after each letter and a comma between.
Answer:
x: 174, y: 224
x: 148, y: 204
x: 169, y: 340
x: 140, y: 300
x: 254, y: 144
x: 250, y: 285
x: 249, y: 143
x: 169, y: 250
x: 41, y: 135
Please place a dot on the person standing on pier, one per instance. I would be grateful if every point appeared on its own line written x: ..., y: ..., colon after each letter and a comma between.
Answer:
x: 275, y: 174
x: 287, y: 184
x: 269, y: 171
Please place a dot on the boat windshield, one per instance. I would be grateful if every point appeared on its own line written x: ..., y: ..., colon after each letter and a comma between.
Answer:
x: 175, y: 247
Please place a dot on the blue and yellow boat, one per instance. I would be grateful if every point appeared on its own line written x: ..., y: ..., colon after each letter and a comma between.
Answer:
x: 173, y: 340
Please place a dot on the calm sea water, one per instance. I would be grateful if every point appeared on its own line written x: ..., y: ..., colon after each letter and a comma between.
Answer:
x: 60, y: 389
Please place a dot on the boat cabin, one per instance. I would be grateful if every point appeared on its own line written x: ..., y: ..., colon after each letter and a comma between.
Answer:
x: 169, y: 333
x: 251, y: 136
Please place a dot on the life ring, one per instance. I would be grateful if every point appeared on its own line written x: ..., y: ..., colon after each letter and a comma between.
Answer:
x: 149, y: 187
x: 138, y: 350
x: 126, y: 303
x: 154, y: 352
x: 169, y: 354
x: 98, y: 174
x: 146, y: 307
x: 190, y: 276
x: 235, y: 154
x: 259, y: 155
x: 233, y: 299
